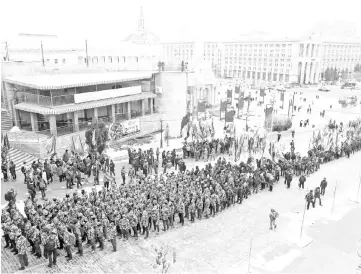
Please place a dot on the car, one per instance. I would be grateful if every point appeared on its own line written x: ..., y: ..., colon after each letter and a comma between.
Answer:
x: 281, y: 88
x: 348, y: 85
x: 287, y: 86
x: 295, y: 85
x: 324, y: 88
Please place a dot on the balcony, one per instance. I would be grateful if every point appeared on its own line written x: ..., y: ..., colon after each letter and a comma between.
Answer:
x: 47, y: 101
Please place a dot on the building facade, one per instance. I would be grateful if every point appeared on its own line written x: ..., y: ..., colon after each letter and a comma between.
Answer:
x: 302, y: 61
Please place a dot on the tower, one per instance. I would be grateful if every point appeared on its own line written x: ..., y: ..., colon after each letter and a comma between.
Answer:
x: 141, y: 20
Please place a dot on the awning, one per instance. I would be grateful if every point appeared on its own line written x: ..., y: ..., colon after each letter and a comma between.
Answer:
x: 61, y: 81
x: 87, y: 105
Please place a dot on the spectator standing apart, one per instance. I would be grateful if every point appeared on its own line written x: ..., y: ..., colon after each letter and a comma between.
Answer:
x: 323, y: 186
x: 302, y: 181
x: 273, y: 216
x: 310, y: 199
x: 317, y: 196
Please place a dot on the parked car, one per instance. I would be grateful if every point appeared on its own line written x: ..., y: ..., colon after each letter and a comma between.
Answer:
x: 287, y: 86
x: 281, y: 88
x: 324, y: 88
x: 295, y: 85
x: 348, y: 85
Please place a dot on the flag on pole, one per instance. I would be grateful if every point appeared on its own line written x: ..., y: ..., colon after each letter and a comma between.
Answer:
x: 93, y: 138
x: 50, y: 145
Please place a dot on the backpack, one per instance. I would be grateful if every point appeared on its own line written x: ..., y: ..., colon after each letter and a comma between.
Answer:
x: 8, y: 196
x: 72, y: 239
x: 50, y: 245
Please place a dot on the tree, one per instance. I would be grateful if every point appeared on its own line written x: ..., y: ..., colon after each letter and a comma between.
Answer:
x: 328, y: 74
x: 101, y: 137
x: 357, y: 68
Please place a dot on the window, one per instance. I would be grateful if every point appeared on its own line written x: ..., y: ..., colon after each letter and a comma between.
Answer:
x: 64, y: 61
x: 55, y: 61
x: 48, y: 60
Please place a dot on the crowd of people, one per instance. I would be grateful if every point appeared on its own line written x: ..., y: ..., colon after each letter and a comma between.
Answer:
x: 147, y: 201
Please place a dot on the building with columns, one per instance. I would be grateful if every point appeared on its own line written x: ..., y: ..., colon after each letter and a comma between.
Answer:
x: 259, y: 60
x: 63, y: 104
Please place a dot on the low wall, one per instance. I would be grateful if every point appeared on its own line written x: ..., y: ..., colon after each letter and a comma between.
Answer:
x: 35, y: 144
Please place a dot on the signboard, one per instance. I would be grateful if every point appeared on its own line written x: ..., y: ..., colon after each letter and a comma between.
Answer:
x: 106, y: 94
x: 119, y: 130
x: 229, y: 96
x: 268, y: 117
x: 159, y: 90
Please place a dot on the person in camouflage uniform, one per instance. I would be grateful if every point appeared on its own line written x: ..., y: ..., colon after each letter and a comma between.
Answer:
x: 21, y: 244
x: 171, y: 214
x: 78, y: 238
x: 192, y: 210
x: 91, y: 235
x: 68, y: 244
x: 155, y: 217
x: 165, y: 214
x: 44, y: 235
x: 35, y: 238
x: 112, y: 234
x: 125, y: 226
x: 100, y: 235
x: 52, y: 243
x: 12, y: 236
x: 133, y: 222
x: 199, y: 207
x: 145, y: 223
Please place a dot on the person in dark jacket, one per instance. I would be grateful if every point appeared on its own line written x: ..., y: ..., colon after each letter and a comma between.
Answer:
x: 310, y: 199
x: 317, y: 196
x: 323, y: 186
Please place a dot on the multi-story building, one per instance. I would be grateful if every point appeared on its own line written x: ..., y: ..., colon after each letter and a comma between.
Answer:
x: 287, y: 60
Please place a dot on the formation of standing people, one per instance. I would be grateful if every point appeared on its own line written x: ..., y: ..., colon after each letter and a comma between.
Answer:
x: 146, y: 202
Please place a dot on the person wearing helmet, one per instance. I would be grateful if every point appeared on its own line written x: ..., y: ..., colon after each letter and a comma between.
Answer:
x: 52, y: 243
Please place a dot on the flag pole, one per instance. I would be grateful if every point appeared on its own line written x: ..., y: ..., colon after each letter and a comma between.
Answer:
x: 42, y: 53
x: 334, y: 196
x: 249, y: 256
x: 303, y: 219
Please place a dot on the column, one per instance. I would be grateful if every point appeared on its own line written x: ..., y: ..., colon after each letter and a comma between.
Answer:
x: 16, y: 117
x: 129, y: 110
x: 95, y: 117
x: 52, y: 122
x: 142, y: 106
x: 76, y: 121
x: 113, y: 113
x: 151, y: 105
x: 34, y: 121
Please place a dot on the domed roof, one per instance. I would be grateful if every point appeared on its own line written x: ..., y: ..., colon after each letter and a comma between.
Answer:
x: 142, y: 36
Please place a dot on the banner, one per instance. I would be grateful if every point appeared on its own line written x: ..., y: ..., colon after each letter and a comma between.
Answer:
x: 201, y: 106
x: 50, y: 145
x: 241, y: 100
x: 262, y: 92
x: 268, y: 118
x: 119, y: 130
x: 282, y: 96
x: 230, y: 116
x: 237, y: 89
x: 106, y: 94
x: 223, y: 105
x: 229, y: 96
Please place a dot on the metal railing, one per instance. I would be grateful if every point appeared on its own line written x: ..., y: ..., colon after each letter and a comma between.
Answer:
x: 45, y: 100
x: 135, y: 114
x: 121, y: 117
x: 64, y: 130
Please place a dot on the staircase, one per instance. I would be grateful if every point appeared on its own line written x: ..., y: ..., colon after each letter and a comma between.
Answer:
x: 18, y: 157
x: 6, y: 122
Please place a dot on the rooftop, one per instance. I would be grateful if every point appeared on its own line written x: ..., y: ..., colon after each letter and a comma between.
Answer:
x: 61, y: 81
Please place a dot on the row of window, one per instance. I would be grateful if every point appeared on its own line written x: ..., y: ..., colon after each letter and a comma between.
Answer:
x: 56, y: 61
x: 115, y: 59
